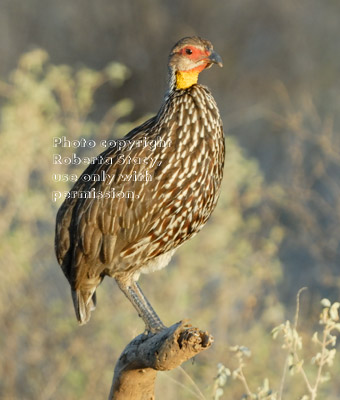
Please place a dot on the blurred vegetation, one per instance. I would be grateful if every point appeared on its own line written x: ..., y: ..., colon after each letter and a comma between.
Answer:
x: 294, y: 364
x: 276, y: 227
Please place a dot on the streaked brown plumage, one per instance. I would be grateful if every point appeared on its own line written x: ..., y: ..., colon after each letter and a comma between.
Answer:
x: 97, y: 235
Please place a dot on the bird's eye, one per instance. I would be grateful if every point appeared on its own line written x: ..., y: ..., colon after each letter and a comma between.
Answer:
x: 188, y: 51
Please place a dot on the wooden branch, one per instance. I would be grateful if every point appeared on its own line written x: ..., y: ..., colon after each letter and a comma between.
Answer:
x: 136, y: 370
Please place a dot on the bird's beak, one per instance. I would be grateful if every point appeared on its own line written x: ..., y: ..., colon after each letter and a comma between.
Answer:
x: 215, y: 58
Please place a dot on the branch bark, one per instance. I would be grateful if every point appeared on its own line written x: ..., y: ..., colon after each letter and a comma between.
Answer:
x: 136, y: 370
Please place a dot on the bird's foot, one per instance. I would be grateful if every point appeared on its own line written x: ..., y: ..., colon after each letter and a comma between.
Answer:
x: 154, y: 327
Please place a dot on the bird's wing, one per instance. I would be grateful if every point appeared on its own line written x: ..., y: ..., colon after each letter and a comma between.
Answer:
x: 127, y: 219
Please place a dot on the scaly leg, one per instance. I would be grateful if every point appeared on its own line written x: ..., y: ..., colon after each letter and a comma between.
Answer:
x: 134, y: 293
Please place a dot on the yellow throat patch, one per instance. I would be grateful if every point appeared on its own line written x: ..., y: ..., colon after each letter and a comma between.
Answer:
x: 185, y: 79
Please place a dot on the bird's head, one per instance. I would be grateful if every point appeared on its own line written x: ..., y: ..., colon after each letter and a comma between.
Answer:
x: 188, y: 58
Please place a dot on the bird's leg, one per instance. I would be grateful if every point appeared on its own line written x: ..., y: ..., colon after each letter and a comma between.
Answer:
x: 134, y: 293
x: 150, y: 317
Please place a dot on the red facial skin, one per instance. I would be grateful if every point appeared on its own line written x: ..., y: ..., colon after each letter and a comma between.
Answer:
x: 196, y: 55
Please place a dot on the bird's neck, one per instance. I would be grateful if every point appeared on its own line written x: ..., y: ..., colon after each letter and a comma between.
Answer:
x: 185, y: 79
x: 179, y: 80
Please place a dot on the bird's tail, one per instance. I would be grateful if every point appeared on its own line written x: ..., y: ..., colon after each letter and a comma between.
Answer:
x: 84, y: 302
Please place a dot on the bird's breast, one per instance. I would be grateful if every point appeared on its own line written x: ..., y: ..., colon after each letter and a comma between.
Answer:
x: 188, y: 178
